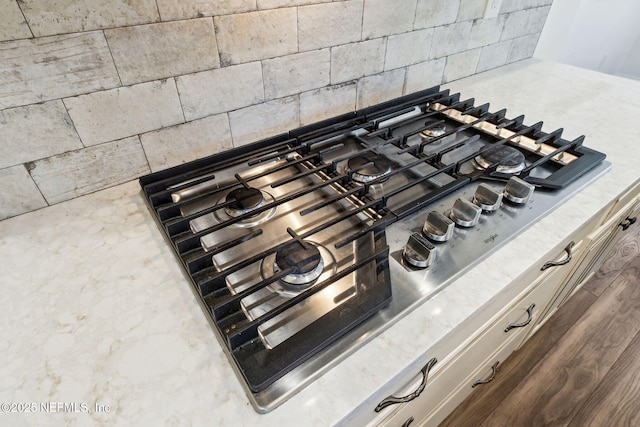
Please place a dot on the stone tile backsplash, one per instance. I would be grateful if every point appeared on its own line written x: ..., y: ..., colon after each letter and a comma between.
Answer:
x: 94, y: 93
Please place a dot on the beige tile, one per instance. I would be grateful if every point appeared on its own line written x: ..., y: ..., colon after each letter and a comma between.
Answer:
x: 461, y: 65
x: 329, y: 24
x: 71, y: 16
x: 18, y: 192
x: 75, y: 173
x: 450, y: 39
x: 524, y: 22
x: 327, y: 102
x: 383, y: 17
x: 470, y: 9
x: 493, y: 56
x: 220, y: 90
x: 296, y: 73
x: 272, y: 4
x: 424, y: 75
x: 54, y: 67
x: 485, y: 32
x: 264, y: 120
x: 355, y: 60
x: 381, y: 87
x: 34, y: 132
x: 118, y: 113
x: 522, y: 48
x: 432, y: 13
x: 150, y: 52
x: 246, y: 37
x: 185, y: 9
x: 408, y: 49
x: 189, y: 141
x: 12, y: 23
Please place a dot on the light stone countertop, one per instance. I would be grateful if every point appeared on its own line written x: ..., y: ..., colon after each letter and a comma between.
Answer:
x: 94, y: 308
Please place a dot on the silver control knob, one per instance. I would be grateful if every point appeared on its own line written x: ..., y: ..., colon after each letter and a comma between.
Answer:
x: 438, y: 227
x: 464, y: 213
x: 487, y: 198
x: 418, y: 252
x: 518, y: 191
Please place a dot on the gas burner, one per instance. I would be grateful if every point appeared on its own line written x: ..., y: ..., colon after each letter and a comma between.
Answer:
x: 304, y: 259
x: 243, y: 200
x: 311, y: 265
x: 510, y: 159
x: 434, y: 130
x: 368, y: 168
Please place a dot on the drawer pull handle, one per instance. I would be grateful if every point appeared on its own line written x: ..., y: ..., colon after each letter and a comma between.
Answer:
x: 494, y: 370
x: 392, y: 400
x: 569, y: 250
x: 525, y: 323
x: 408, y: 422
x: 628, y: 222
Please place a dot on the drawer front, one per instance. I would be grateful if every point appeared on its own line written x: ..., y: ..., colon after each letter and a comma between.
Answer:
x: 510, y: 328
x: 432, y: 416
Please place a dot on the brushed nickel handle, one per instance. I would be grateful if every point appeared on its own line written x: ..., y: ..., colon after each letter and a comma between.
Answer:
x: 494, y: 370
x: 408, y: 422
x: 525, y: 323
x: 392, y: 400
x: 568, y: 250
x: 628, y: 222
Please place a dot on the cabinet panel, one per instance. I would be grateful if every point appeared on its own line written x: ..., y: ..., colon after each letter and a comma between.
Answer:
x: 599, y: 243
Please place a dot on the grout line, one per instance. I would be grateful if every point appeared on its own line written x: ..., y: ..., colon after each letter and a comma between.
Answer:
x: 106, y: 40
x: 25, y: 18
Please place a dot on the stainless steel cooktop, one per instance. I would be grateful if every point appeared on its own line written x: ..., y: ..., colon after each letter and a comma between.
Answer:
x: 304, y: 246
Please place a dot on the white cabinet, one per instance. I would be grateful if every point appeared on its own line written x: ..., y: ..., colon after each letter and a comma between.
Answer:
x: 452, y: 378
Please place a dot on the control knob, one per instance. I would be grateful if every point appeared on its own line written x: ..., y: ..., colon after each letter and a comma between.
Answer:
x: 518, y: 191
x: 418, y: 252
x: 487, y: 198
x: 438, y: 227
x: 464, y: 213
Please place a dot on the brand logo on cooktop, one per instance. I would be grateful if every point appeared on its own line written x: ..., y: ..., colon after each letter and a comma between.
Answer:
x: 491, y: 238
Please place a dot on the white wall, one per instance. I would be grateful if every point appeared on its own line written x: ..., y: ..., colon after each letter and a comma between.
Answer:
x: 602, y: 35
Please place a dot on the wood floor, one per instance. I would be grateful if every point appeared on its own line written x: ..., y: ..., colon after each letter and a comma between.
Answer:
x: 582, y: 368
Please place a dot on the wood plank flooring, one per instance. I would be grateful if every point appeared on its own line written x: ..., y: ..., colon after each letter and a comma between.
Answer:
x: 582, y: 368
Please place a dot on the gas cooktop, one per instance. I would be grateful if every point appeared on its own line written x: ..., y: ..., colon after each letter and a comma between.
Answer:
x: 304, y: 246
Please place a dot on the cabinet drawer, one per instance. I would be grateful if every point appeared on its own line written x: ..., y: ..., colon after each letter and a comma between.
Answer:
x: 509, y: 328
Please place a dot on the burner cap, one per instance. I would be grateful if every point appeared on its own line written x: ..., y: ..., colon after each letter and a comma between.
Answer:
x: 243, y: 199
x: 305, y: 260
x: 509, y: 159
x: 376, y: 167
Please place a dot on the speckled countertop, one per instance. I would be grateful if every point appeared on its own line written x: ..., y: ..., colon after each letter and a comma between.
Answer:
x: 94, y: 309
